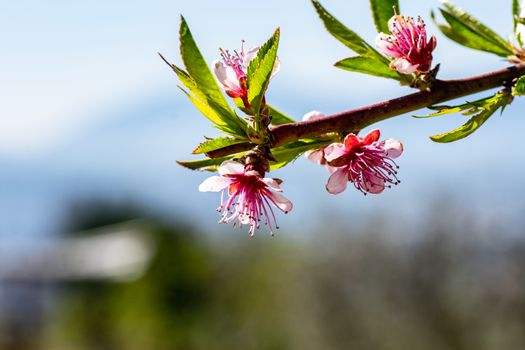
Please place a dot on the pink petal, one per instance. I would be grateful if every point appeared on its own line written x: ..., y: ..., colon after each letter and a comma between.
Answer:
x: 351, y: 141
x: 334, y: 151
x: 404, y: 66
x: 372, y: 137
x: 393, y: 148
x: 281, y: 201
x: 386, y: 46
x: 313, y: 115
x: 214, y: 184
x: 373, y: 184
x: 315, y: 156
x: 230, y: 167
x: 338, y: 181
x: 272, y: 183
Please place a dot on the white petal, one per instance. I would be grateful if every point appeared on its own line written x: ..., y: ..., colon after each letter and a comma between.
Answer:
x: 393, y: 148
x: 313, y: 115
x: 334, y: 151
x: 281, y: 201
x: 403, y: 66
x: 276, y: 67
x: 220, y: 71
x: 272, y: 183
x: 214, y: 184
x: 231, y: 167
x: 337, y: 182
x: 250, y: 55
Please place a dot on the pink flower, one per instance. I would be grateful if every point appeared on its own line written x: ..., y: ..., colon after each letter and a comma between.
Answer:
x: 366, y: 162
x: 408, y: 45
x: 231, y: 72
x: 249, y: 196
x: 316, y: 155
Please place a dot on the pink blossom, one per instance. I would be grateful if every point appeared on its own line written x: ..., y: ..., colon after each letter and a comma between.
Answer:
x: 232, y: 71
x: 249, y: 196
x: 408, y: 45
x: 315, y: 155
x: 366, y: 162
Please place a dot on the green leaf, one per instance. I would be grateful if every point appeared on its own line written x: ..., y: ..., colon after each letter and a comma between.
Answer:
x: 214, y: 144
x: 290, y: 152
x: 208, y: 164
x: 382, y: 11
x: 370, y: 66
x: 519, y: 87
x: 278, y: 117
x: 488, y: 108
x: 260, y: 70
x: 345, y: 35
x: 466, y: 36
x: 478, y: 28
x: 468, y: 107
x: 197, y: 67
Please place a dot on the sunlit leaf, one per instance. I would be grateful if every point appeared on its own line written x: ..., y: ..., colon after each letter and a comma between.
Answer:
x: 214, y: 144
x: 345, y: 35
x: 207, y: 164
x: 519, y: 87
x: 467, y: 28
x: 489, y: 107
x: 260, y: 70
x: 278, y: 117
x: 370, y: 66
x: 382, y: 11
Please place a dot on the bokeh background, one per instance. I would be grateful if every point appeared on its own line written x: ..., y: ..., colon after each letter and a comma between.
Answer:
x: 105, y: 242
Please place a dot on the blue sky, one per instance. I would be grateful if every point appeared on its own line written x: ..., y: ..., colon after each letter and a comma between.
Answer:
x: 88, y: 109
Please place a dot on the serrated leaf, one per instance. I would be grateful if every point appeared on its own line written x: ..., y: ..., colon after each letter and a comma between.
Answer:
x: 479, y: 28
x: 345, y: 35
x: 467, y: 107
x: 370, y: 66
x: 467, y: 36
x: 197, y: 67
x: 207, y: 164
x: 260, y: 70
x: 519, y: 87
x: 490, y: 106
x: 207, y: 111
x: 518, y: 14
x: 278, y: 117
x: 382, y: 11
x: 214, y: 144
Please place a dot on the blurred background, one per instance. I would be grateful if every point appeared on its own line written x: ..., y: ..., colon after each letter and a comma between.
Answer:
x: 105, y: 242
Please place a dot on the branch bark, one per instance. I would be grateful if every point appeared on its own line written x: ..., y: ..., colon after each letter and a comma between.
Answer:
x: 356, y: 119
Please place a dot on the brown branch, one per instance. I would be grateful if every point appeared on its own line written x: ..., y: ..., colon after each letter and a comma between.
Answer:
x: 356, y: 119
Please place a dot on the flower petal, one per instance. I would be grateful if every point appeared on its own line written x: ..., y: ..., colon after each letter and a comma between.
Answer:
x: 374, y: 184
x: 316, y: 156
x: 230, y: 167
x: 334, y: 151
x: 280, y: 201
x: 272, y: 183
x: 402, y: 65
x: 250, y: 55
x: 214, y: 184
x: 351, y: 141
x: 384, y: 43
x: 372, y: 137
x: 338, y: 181
x: 313, y: 115
x: 393, y: 148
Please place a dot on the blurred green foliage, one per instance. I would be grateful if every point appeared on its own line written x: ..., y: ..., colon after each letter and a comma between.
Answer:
x: 454, y: 286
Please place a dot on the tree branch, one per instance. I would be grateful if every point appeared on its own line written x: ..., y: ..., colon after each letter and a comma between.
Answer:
x: 356, y: 119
